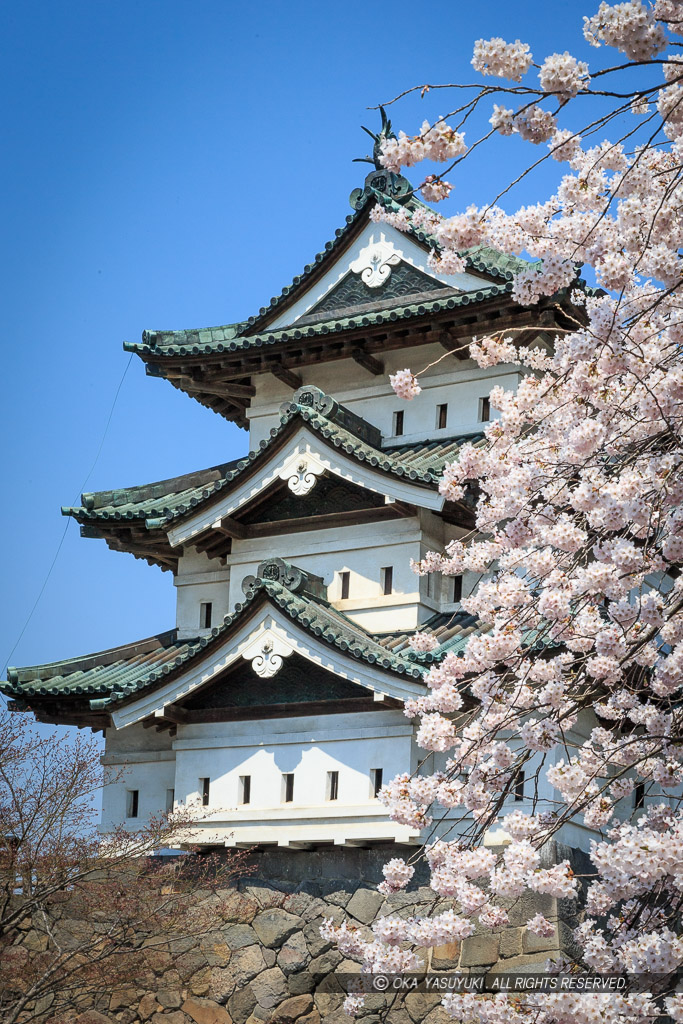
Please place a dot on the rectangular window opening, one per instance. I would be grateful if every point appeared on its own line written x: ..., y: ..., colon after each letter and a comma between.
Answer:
x: 345, y: 578
x: 457, y: 589
x: 132, y: 801
x: 204, y: 788
x: 387, y: 579
x: 288, y: 787
x: 170, y: 800
x: 441, y: 416
x: 484, y: 409
x: 332, y: 785
x: 639, y: 795
x: 245, y: 789
x: 205, y: 615
x: 398, y: 423
x: 519, y: 785
x: 376, y: 775
x: 429, y: 584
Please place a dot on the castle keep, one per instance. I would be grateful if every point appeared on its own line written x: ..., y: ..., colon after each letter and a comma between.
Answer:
x: 276, y: 697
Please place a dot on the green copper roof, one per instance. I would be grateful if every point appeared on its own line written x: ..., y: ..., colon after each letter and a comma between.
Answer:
x: 420, y: 463
x: 211, y: 340
x: 113, y: 676
x: 118, y: 674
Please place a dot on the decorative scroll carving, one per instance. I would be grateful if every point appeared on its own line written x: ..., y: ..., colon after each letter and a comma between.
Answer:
x: 267, y: 663
x: 287, y: 575
x: 374, y: 263
x: 304, y: 478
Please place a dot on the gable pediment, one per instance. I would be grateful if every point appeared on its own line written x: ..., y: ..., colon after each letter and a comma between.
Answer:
x: 363, y: 273
x: 300, y: 463
x: 255, y: 649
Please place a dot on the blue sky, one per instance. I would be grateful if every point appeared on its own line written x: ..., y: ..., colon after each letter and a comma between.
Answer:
x: 173, y: 164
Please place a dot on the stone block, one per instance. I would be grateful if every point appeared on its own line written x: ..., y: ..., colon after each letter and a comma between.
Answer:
x: 294, y: 954
x: 438, y: 1016
x: 511, y: 941
x: 310, y: 1018
x: 269, y: 957
x: 189, y: 963
x: 237, y: 907
x: 122, y: 997
x: 244, y: 965
x: 364, y: 905
x: 35, y: 942
x: 325, y: 964
x: 531, y: 903
x: 479, y: 950
x: 206, y: 1011
x: 169, y: 998
x: 93, y: 1017
x: 239, y: 935
x: 292, y: 1009
x: 524, y: 964
x: 538, y: 944
x: 445, y: 957
x: 174, y: 1017
x: 270, y: 988
x: 200, y: 983
x: 241, y: 1004
x: 147, y: 1006
x: 419, y: 1004
x: 274, y: 927
x: 302, y: 981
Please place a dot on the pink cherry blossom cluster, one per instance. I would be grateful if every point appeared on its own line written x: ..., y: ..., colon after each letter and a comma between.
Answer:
x: 569, y: 692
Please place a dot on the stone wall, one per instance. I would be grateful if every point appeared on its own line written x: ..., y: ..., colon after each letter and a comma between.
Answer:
x: 267, y: 962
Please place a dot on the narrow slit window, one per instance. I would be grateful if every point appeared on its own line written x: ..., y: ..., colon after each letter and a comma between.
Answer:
x: 398, y: 423
x: 639, y: 795
x: 484, y: 409
x: 205, y: 790
x: 132, y: 803
x: 441, y: 416
x: 457, y: 589
x: 387, y: 579
x: 205, y: 609
x: 345, y: 578
x: 519, y: 785
x: 170, y: 800
x: 429, y: 584
x: 376, y: 776
x: 245, y: 789
x: 288, y: 787
x: 332, y: 785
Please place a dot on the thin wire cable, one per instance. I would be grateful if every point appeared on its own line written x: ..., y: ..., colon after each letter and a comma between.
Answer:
x: 68, y: 521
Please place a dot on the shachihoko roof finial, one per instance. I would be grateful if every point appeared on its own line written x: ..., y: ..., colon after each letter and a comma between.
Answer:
x: 380, y: 180
x: 385, y: 132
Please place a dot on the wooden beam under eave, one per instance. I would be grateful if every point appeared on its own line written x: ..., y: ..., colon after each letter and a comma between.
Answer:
x: 288, y: 377
x: 231, y: 528
x: 367, y: 361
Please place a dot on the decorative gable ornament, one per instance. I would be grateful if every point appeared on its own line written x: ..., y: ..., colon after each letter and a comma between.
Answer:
x: 374, y: 263
x: 303, y: 479
x: 266, y: 652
